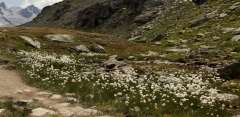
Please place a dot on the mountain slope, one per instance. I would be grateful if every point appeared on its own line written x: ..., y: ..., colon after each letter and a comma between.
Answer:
x: 16, y: 15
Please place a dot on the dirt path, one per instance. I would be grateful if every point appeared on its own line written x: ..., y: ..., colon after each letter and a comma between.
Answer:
x: 47, y: 103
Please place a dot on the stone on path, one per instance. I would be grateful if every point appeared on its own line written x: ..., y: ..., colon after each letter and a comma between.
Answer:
x: 1, y: 110
x: 42, y: 112
x: 44, y: 93
x: 65, y: 113
x: 55, y: 97
x: 87, y: 112
x: 60, y: 38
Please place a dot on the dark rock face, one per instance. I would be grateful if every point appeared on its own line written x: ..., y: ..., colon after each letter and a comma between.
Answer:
x: 3, y: 5
x: 28, y: 12
x: 100, y: 13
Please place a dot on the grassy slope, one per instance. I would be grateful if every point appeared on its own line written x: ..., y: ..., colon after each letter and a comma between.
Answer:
x: 10, y: 41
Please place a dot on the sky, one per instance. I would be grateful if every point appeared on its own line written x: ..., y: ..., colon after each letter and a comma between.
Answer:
x: 24, y: 3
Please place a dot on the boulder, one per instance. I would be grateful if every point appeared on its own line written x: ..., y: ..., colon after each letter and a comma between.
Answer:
x: 235, y: 38
x: 177, y: 50
x: 203, y: 19
x: 98, y: 48
x: 82, y: 49
x: 237, y: 31
x: 35, y: 43
x: 145, y: 17
x: 233, y: 7
x: 222, y: 15
x: 200, y: 35
x: 171, y: 42
x: 65, y: 113
x: 56, y: 97
x: 40, y: 112
x: 60, y: 38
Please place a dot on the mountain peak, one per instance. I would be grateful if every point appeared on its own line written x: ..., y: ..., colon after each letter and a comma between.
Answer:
x: 3, y: 5
x: 30, y: 11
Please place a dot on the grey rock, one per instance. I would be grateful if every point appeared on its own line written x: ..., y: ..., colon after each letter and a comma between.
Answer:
x: 226, y: 96
x: 145, y: 17
x: 131, y: 58
x: 237, y: 31
x: 42, y: 112
x: 200, y: 35
x: 215, y: 38
x: 98, y: 48
x: 82, y: 49
x: 222, y: 15
x: 113, y: 62
x: 171, y: 43
x: 204, y: 49
x: 87, y: 113
x: 65, y: 113
x: 71, y: 99
x: 177, y: 50
x: 158, y: 43
x: 134, y: 38
x: 35, y: 43
x: 141, y: 40
x: 235, y: 38
x: 44, y: 93
x: 227, y: 30
x: 234, y: 6
x: 56, y: 97
x: 182, y: 31
x: 70, y: 94
x: 151, y: 53
x: 203, y: 19
x: 60, y: 38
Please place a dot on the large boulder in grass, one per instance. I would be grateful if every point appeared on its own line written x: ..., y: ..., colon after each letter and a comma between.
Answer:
x: 98, y: 48
x: 230, y: 72
x: 82, y: 49
x: 60, y: 38
x: 34, y: 43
